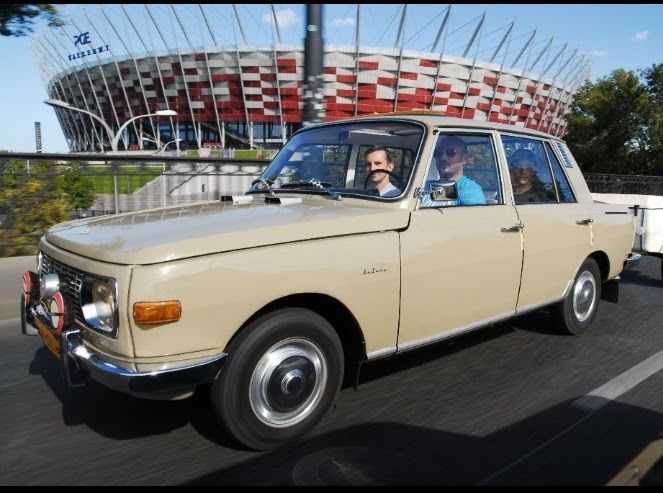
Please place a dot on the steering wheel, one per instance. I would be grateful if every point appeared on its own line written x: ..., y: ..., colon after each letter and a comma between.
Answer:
x: 390, y: 173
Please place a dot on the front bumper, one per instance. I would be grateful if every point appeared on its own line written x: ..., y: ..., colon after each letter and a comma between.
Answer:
x: 78, y: 362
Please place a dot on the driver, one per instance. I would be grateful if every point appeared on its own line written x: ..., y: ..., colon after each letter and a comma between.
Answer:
x: 377, y: 158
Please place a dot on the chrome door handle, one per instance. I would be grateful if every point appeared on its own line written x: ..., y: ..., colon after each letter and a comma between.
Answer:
x: 515, y: 227
x: 585, y: 221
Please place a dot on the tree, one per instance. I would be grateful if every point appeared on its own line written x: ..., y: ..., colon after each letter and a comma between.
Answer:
x: 654, y: 78
x: 78, y: 188
x: 29, y: 205
x: 16, y: 18
x: 616, y: 123
x: 608, y: 125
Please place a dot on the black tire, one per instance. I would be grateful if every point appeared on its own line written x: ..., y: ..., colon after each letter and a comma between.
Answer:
x: 263, y: 402
x: 575, y: 313
x: 661, y: 268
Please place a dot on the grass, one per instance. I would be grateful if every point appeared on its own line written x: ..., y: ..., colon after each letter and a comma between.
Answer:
x: 248, y: 154
x: 129, y: 178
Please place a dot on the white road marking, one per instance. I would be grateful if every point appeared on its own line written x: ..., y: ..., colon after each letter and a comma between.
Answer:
x: 595, y: 400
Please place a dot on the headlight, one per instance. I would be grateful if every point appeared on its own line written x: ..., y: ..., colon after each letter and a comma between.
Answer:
x: 99, y: 304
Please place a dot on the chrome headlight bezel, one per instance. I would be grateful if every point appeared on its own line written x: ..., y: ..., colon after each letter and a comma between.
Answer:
x: 100, y: 315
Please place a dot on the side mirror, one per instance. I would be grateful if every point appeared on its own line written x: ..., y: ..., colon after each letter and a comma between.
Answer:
x: 443, y: 190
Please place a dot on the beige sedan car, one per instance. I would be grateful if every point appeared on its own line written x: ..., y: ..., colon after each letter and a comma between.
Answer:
x: 362, y: 239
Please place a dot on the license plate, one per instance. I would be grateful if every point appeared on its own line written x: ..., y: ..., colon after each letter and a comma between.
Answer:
x: 50, y: 341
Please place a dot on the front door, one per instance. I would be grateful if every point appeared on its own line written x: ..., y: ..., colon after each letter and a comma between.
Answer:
x: 461, y: 260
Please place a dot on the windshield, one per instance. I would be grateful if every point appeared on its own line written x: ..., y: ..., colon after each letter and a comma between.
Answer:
x: 366, y: 159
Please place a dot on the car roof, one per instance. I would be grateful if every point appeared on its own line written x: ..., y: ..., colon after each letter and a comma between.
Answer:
x: 439, y: 119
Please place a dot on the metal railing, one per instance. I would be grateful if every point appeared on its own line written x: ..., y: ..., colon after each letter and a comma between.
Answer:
x: 636, y: 184
x: 39, y: 190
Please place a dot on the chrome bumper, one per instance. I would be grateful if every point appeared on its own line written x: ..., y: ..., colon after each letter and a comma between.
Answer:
x: 633, y: 259
x: 79, y: 362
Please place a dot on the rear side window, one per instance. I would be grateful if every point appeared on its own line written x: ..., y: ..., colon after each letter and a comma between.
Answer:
x: 561, y: 182
x: 531, y: 180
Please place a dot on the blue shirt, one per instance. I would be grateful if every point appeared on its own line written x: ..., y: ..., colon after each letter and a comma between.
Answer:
x: 469, y: 193
x: 390, y: 191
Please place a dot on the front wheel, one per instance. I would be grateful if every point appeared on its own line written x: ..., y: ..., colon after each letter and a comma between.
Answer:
x: 576, y: 312
x: 282, y: 374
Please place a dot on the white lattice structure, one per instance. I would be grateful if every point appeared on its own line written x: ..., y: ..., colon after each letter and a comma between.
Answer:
x: 220, y: 92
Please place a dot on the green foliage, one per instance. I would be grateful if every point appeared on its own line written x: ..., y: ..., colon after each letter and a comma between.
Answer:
x: 615, y: 123
x: 77, y: 188
x: 30, y: 203
x: 16, y: 18
x: 654, y: 78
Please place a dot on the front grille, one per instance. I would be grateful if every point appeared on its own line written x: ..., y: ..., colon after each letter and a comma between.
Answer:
x: 70, y: 282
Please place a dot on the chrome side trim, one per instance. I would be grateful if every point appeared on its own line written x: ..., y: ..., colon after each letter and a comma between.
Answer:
x: 381, y: 353
x: 454, y: 332
x: 473, y: 326
x: 543, y: 304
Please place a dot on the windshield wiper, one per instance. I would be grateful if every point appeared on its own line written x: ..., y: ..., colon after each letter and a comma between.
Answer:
x: 266, y: 185
x: 315, y: 183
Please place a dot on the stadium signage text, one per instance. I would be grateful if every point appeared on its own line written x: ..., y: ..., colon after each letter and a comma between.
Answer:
x: 84, y: 39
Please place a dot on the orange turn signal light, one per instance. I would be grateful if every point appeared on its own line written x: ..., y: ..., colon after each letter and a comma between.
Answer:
x: 157, y: 312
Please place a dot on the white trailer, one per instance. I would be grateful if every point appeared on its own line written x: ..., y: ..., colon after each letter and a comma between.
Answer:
x: 647, y: 217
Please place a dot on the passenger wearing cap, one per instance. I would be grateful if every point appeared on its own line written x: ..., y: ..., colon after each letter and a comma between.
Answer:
x: 527, y: 187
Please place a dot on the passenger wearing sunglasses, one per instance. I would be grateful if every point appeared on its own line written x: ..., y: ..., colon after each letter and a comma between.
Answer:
x: 450, y: 158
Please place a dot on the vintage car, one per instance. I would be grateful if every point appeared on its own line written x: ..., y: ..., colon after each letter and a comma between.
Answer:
x: 362, y: 239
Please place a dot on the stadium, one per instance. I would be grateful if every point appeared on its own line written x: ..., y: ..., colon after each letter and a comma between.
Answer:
x: 242, y: 88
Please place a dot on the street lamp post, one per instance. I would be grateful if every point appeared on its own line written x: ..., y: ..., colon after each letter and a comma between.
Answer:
x: 116, y: 140
x: 163, y: 149
x: 164, y: 187
x: 113, y: 137
x: 63, y: 104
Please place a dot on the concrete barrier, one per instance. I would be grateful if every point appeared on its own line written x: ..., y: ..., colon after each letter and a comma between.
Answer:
x: 11, y: 285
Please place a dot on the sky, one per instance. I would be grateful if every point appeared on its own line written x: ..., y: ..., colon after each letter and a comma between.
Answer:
x: 614, y: 36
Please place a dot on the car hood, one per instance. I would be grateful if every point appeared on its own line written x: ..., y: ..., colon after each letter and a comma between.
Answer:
x: 170, y: 233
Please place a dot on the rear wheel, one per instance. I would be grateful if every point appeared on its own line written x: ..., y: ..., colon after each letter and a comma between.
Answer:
x: 576, y: 312
x: 282, y: 375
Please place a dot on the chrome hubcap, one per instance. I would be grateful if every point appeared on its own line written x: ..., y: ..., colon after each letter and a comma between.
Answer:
x: 584, y: 296
x: 288, y: 382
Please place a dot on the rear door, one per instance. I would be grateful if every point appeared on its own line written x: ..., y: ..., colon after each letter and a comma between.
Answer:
x: 556, y: 233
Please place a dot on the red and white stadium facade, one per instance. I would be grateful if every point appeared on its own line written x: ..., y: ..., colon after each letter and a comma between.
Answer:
x: 247, y: 96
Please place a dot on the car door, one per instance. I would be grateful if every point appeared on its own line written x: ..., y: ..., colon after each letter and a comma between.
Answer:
x: 460, y: 264
x: 556, y: 232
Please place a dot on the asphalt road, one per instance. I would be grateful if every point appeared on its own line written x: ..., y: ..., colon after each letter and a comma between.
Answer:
x: 500, y: 406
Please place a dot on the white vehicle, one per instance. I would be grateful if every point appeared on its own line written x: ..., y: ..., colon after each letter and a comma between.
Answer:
x: 647, y: 218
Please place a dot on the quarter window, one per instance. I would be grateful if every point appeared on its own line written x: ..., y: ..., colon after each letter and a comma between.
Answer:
x: 565, y: 155
x: 562, y: 183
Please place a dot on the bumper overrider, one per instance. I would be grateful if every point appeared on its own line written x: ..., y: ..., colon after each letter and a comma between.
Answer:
x: 78, y: 362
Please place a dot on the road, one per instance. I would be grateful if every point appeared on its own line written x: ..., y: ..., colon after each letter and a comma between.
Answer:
x: 504, y: 405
